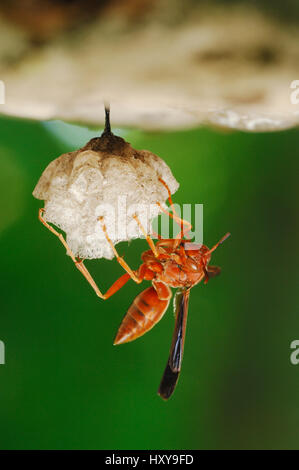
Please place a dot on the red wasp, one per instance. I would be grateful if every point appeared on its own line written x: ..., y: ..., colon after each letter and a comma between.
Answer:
x: 168, y: 263
x: 176, y: 263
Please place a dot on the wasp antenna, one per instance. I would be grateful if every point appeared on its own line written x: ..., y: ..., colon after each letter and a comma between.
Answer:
x: 219, y: 243
x: 107, y: 129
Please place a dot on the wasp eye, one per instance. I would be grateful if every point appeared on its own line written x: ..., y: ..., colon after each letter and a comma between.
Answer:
x: 192, y: 265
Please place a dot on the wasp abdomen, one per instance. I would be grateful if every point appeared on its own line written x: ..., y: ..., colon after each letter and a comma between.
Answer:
x: 146, y: 310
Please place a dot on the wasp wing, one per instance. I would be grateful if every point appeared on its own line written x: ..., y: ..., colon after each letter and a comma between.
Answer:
x: 173, y: 367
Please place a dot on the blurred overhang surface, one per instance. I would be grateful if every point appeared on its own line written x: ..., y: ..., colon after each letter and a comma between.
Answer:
x: 161, y: 64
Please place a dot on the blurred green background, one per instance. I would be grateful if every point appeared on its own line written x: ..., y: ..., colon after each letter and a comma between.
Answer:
x: 65, y: 386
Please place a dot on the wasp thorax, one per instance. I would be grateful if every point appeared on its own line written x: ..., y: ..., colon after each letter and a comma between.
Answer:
x: 107, y: 179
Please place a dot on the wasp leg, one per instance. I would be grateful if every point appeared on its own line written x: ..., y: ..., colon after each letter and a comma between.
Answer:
x: 211, y: 271
x: 180, y: 222
x: 174, y: 214
x: 120, y: 282
x: 120, y: 260
x: 148, y: 238
x: 82, y: 268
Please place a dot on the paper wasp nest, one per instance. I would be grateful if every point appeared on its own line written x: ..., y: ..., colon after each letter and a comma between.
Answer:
x: 105, y: 178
